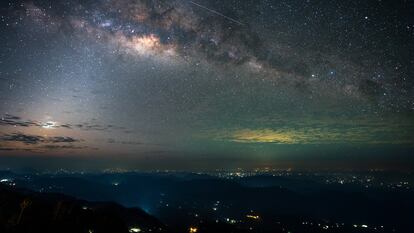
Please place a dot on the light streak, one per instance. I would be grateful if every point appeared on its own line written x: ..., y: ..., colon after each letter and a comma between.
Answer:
x: 217, y: 13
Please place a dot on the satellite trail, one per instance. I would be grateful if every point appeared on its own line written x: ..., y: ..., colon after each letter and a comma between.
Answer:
x: 217, y: 13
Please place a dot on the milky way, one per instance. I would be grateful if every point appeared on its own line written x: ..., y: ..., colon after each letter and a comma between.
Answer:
x: 208, y: 84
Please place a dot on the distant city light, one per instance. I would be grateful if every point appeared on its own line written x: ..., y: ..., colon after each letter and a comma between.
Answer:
x: 8, y: 182
x: 231, y: 221
x: 134, y: 230
x: 193, y: 229
x: 252, y: 216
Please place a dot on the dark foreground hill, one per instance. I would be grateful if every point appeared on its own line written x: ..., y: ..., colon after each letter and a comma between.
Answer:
x: 25, y: 211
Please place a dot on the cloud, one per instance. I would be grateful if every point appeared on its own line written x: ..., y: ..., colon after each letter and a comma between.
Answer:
x: 63, y: 147
x: 18, y: 137
x: 35, y: 139
x: 13, y: 120
x: 87, y: 127
x: 97, y: 127
x: 39, y: 144
x: 7, y: 149
x: 136, y: 143
x: 16, y: 149
x: 68, y: 126
x: 61, y: 139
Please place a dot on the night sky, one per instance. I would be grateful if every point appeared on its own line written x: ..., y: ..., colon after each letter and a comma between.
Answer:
x: 177, y: 84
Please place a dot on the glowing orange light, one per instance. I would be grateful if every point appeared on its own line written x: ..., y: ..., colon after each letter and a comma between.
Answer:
x: 253, y: 216
x: 193, y: 230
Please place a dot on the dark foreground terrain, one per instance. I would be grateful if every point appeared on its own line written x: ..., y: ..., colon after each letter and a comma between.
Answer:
x: 26, y: 211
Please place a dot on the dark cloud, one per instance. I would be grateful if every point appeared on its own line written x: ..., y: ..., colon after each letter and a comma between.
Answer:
x: 44, y: 148
x: 68, y: 126
x: 63, y: 147
x: 61, y: 139
x: 12, y: 120
x: 35, y: 139
x: 113, y: 141
x: 97, y: 127
x: 19, y: 137
x: 7, y: 149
